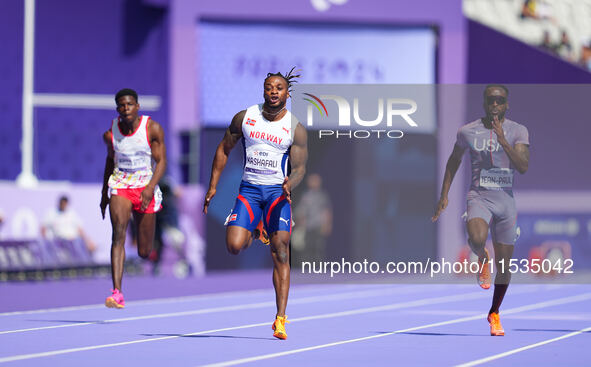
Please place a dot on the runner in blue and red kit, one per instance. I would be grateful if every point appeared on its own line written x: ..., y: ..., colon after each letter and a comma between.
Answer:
x: 275, y: 155
x: 498, y: 147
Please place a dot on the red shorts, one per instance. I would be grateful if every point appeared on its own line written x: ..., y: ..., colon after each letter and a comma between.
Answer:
x: 135, y: 196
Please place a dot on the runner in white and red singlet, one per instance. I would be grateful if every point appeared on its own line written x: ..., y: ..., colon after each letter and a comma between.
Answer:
x: 136, y: 161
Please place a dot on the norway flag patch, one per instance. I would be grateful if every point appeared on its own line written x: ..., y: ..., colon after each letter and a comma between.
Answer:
x: 250, y: 122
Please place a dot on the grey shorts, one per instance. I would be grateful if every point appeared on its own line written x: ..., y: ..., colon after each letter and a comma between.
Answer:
x: 497, y: 208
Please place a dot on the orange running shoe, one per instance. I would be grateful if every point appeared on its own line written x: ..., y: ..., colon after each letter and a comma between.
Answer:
x: 260, y: 234
x: 496, y: 329
x: 279, y: 327
x: 483, y: 276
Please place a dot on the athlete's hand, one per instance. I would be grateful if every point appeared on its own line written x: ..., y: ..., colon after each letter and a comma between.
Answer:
x: 147, y: 196
x: 498, y: 129
x: 287, y: 189
x: 104, y: 203
x: 210, y: 194
x: 441, y: 205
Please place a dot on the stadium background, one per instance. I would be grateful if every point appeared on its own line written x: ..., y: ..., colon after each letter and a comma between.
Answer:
x: 195, y: 64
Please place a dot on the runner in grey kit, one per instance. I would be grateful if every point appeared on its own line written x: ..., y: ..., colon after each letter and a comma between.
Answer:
x: 498, y: 147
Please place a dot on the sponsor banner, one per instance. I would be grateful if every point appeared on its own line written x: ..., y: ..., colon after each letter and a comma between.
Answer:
x: 555, y: 237
x: 320, y: 53
x: 39, y: 254
x: 24, y: 210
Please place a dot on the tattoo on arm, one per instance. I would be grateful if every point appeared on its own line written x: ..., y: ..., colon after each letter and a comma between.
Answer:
x: 298, y: 156
x: 231, y: 137
x: 233, y: 132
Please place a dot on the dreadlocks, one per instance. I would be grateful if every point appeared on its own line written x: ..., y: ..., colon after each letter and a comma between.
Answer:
x: 289, y: 77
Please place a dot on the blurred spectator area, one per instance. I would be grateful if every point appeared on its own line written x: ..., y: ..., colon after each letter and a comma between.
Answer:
x: 548, y: 24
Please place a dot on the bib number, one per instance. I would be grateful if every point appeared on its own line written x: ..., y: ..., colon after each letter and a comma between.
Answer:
x: 496, y: 178
x: 131, y: 163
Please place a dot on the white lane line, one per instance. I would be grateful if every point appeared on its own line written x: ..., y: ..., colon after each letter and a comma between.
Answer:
x: 517, y: 350
x: 142, y: 302
x: 93, y: 347
x: 221, y: 295
x: 554, y: 316
x: 559, y: 301
x: 239, y: 307
x: 434, y: 300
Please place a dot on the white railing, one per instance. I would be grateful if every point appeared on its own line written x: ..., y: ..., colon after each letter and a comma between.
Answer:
x: 542, y: 18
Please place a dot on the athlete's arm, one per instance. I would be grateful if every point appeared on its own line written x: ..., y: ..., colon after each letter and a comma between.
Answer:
x: 518, y: 155
x: 453, y: 163
x: 298, y: 156
x: 156, y: 137
x: 231, y: 137
x: 109, y: 167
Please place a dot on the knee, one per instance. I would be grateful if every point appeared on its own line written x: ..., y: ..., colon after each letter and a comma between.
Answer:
x: 478, y: 239
x: 233, y: 247
x: 119, y: 235
x: 144, y: 252
x: 281, y: 250
x: 503, y: 277
x: 283, y: 256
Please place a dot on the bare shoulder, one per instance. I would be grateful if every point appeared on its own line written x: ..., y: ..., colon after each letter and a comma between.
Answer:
x: 108, y: 136
x: 239, y: 117
x: 153, y: 125
x: 300, y: 135
x: 236, y: 124
x: 155, y: 129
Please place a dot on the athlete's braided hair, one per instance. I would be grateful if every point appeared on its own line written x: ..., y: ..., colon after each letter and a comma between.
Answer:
x: 289, y: 77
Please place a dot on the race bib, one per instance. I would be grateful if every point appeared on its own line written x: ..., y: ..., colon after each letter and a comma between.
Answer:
x: 261, y: 163
x: 131, y: 163
x: 496, y: 178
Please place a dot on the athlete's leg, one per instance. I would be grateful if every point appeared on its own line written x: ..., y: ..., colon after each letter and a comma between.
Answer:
x: 120, y: 210
x: 504, y: 235
x: 237, y: 238
x: 477, y: 234
x: 146, y: 225
x: 479, y: 215
x: 503, y: 253
x: 281, y: 268
x: 277, y: 220
x: 244, y: 218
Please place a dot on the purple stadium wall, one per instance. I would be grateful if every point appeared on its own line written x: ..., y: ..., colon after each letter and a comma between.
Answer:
x: 100, y: 49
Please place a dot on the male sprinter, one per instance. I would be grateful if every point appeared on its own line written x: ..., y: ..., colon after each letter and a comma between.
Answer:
x: 276, y: 151
x: 498, y: 146
x: 133, y: 143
